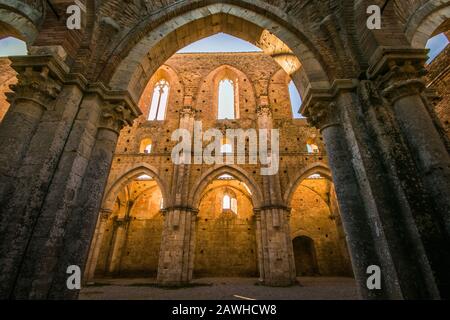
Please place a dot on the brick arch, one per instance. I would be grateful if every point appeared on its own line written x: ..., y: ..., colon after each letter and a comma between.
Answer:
x: 128, y: 177
x: 21, y: 19
x: 213, y: 173
x: 431, y: 17
x: 175, y: 83
x: 314, y: 168
x: 247, y: 21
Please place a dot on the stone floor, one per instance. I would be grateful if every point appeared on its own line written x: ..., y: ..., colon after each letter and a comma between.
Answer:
x: 311, y: 288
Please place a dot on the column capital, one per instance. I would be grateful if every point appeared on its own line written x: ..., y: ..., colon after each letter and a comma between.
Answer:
x: 116, y: 116
x: 322, y: 114
x: 187, y: 112
x: 398, y: 72
x: 40, y: 79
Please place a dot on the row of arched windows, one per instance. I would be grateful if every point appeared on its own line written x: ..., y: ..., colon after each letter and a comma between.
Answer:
x: 227, y: 100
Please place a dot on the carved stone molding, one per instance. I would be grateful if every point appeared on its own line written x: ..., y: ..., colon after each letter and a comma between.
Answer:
x: 115, y: 116
x: 322, y: 114
x: 35, y: 84
x: 398, y: 73
x: 187, y: 112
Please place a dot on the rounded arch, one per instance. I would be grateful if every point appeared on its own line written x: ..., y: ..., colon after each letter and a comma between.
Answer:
x: 21, y: 19
x: 315, y: 168
x: 213, y: 173
x: 251, y: 22
x: 423, y: 24
x: 128, y: 177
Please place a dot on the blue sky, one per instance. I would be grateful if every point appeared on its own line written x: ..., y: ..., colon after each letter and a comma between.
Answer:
x: 220, y: 42
x: 436, y: 45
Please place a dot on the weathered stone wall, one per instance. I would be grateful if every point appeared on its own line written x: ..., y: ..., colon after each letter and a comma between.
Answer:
x: 138, y: 249
x: 312, y: 217
x: 191, y: 77
x: 225, y: 241
x: 225, y: 244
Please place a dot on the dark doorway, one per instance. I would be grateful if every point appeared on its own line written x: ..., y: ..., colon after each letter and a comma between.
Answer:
x: 305, y: 257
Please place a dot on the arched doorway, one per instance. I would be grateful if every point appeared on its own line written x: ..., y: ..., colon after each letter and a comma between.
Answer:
x: 226, y: 231
x: 305, y: 256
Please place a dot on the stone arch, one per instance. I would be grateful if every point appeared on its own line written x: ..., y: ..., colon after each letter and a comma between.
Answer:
x: 423, y: 24
x: 213, y: 79
x: 126, y: 178
x: 213, y: 173
x: 21, y: 19
x: 314, y: 168
x: 250, y: 24
x: 164, y: 72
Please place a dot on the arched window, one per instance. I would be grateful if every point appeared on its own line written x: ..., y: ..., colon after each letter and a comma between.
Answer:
x: 226, y: 100
x: 159, y: 101
x: 312, y: 148
x: 296, y: 100
x: 226, y: 202
x: 226, y: 146
x: 229, y: 203
x: 146, y: 146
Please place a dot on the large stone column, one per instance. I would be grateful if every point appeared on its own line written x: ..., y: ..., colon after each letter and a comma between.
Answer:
x: 39, y: 84
x: 275, y: 248
x: 358, y: 225
x: 398, y: 74
x: 65, y: 222
x: 176, y: 258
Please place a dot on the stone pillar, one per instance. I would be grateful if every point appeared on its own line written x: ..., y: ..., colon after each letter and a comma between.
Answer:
x: 120, y: 234
x: 97, y: 240
x: 275, y: 248
x: 121, y: 226
x: 357, y: 224
x: 393, y: 241
x: 37, y: 88
x: 176, y: 258
x: 66, y: 220
x: 399, y: 77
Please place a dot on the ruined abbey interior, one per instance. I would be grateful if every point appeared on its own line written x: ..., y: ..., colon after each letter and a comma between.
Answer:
x: 88, y: 178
